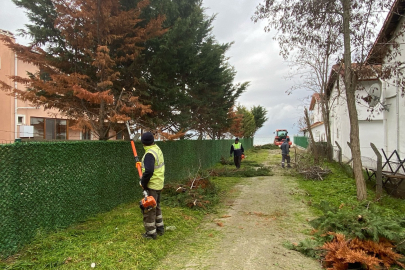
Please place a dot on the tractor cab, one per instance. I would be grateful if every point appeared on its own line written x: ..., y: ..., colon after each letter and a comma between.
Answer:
x: 281, y: 135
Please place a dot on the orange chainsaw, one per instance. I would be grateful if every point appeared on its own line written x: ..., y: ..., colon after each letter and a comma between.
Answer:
x: 148, y: 202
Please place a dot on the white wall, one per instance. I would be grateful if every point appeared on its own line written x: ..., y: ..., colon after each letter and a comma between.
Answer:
x: 317, y: 113
x: 319, y: 133
x: 395, y: 116
x: 370, y: 131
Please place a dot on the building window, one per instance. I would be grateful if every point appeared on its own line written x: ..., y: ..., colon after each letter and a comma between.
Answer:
x: 39, y: 124
x: 119, y: 136
x: 20, y: 119
x: 49, y: 128
x: 86, y: 134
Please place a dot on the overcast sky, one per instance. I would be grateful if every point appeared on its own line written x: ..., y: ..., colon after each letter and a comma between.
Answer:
x: 254, y: 54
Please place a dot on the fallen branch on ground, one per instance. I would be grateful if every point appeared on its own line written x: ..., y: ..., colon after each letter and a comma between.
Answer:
x: 314, y: 172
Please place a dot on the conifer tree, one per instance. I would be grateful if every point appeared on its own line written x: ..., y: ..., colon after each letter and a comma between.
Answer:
x: 259, y: 114
x: 84, y: 51
x: 188, y: 72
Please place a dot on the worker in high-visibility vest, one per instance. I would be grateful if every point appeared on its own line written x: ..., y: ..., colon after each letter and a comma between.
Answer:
x: 238, y: 151
x: 153, y: 177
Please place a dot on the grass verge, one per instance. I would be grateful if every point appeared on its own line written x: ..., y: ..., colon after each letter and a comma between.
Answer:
x: 377, y: 223
x: 338, y: 188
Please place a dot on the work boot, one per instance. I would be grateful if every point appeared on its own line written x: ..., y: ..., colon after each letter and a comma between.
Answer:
x: 160, y: 230
x: 149, y: 236
x: 288, y: 166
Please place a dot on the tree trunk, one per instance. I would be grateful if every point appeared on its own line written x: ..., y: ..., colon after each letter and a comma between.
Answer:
x: 325, y: 115
x: 313, y: 145
x: 350, y: 85
x: 102, y: 129
x: 325, y: 118
x: 325, y: 105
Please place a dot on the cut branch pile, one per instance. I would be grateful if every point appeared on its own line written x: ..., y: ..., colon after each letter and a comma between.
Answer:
x: 314, y: 172
x: 342, y: 253
x: 196, y: 190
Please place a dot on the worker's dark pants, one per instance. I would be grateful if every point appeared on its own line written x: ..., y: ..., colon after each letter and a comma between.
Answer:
x: 285, y: 157
x: 237, y: 160
x: 153, y: 220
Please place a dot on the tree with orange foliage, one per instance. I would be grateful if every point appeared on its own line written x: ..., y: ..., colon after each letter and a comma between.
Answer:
x: 236, y: 127
x: 243, y: 125
x: 85, y: 52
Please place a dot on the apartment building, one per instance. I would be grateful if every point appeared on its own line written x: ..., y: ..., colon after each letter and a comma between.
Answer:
x: 22, y: 120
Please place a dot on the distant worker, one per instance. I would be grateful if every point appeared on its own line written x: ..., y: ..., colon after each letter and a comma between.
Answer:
x: 285, y: 153
x: 153, y: 169
x: 238, y: 151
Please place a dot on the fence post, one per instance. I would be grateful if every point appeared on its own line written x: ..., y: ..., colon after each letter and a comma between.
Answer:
x: 340, y: 153
x: 378, y: 174
x: 348, y: 163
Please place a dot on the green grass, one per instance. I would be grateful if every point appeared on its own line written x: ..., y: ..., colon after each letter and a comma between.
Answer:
x: 339, y: 188
x: 113, y: 240
x: 334, y: 202
x: 258, y: 155
x: 268, y: 146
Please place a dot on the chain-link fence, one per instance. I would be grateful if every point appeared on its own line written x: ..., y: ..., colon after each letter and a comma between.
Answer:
x: 54, y: 184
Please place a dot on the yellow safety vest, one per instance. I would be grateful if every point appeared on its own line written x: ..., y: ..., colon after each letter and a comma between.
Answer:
x: 156, y: 182
x: 236, y: 146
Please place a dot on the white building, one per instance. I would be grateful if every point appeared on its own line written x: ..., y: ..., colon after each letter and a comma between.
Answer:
x: 370, y: 118
x: 380, y: 103
x: 392, y: 89
x: 316, y: 119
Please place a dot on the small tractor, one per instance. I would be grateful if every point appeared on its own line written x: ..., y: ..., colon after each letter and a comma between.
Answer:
x: 281, y: 135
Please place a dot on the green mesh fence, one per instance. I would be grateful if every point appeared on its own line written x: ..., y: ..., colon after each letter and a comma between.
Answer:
x: 301, y: 141
x: 49, y: 185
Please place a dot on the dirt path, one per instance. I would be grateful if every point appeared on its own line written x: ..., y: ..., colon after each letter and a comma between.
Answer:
x: 259, y: 220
